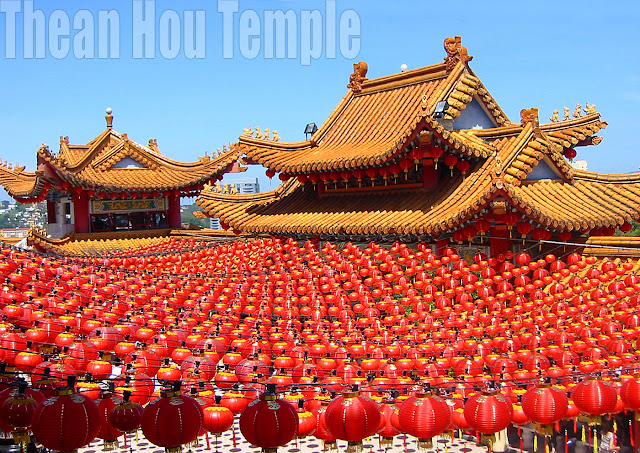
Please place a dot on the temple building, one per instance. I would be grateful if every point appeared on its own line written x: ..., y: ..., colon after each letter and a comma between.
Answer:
x: 111, y: 184
x: 428, y: 154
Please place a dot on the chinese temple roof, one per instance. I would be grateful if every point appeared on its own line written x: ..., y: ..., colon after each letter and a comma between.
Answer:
x: 112, y: 162
x: 377, y: 118
x: 523, y: 165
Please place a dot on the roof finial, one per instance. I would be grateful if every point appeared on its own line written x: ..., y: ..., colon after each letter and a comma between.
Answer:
x: 456, y: 52
x: 359, y: 75
x: 109, y: 118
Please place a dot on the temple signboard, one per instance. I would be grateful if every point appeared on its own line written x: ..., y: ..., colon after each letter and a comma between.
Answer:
x: 149, y: 204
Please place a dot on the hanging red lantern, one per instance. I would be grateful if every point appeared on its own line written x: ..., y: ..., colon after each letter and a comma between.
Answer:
x: 436, y: 153
x: 306, y: 421
x: 17, y: 412
x: 524, y: 228
x: 450, y: 161
x: 126, y: 416
x: 630, y: 393
x: 594, y: 397
x: 172, y: 420
x: 108, y: 433
x: 352, y: 417
x: 269, y: 422
x: 625, y: 227
x: 359, y: 174
x: 424, y: 416
x: 66, y: 422
x: 488, y: 412
x: 270, y: 173
x: 217, y: 419
x: 565, y: 236
x: 463, y: 166
x: 545, y: 405
x: 570, y: 153
x: 390, y: 421
x: 302, y: 179
x: 284, y: 177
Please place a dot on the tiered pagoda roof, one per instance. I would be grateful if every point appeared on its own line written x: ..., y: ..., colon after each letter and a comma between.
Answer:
x: 522, y: 166
x: 112, y: 162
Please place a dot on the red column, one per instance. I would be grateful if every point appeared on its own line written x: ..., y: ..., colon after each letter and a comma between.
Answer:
x: 500, y: 241
x: 429, y: 174
x: 51, y: 211
x: 441, y: 245
x: 81, y: 212
x: 174, y: 215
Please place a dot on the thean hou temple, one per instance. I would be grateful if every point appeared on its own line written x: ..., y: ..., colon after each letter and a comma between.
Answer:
x: 428, y: 154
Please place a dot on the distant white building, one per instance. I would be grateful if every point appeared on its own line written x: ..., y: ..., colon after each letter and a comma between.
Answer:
x: 580, y: 165
x: 244, y: 186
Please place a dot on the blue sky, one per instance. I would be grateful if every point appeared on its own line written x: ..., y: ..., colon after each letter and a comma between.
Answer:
x: 543, y: 54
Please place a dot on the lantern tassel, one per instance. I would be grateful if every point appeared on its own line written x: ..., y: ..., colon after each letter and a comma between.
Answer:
x: 535, y: 441
x: 566, y: 440
x: 520, y: 437
x: 354, y: 447
x: 329, y: 446
x: 595, y: 441
x: 206, y: 436
x: 125, y: 440
x: 425, y: 444
x: 234, y: 437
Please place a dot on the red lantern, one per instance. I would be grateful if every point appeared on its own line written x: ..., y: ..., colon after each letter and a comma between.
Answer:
x: 545, y: 405
x: 488, y: 412
x: 625, y: 227
x: 126, y: 416
x: 352, y: 417
x: 107, y: 402
x: 630, y: 393
x: 217, y: 419
x: 463, y: 166
x: 270, y: 173
x: 390, y: 414
x: 66, y: 422
x: 269, y: 422
x: 17, y: 412
x: 594, y: 398
x: 306, y: 421
x: 570, y: 153
x: 424, y: 416
x: 524, y: 228
x: 172, y: 420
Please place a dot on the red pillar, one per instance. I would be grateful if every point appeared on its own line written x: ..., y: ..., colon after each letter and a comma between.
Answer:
x: 51, y: 211
x: 81, y: 212
x: 429, y: 174
x: 500, y: 241
x: 174, y: 215
x: 441, y: 245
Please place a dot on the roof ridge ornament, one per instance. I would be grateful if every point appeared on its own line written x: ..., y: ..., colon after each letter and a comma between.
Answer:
x: 359, y: 75
x: 109, y: 118
x: 530, y: 116
x: 456, y: 52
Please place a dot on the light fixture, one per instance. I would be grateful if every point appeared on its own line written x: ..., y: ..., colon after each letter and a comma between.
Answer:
x: 310, y: 129
x: 441, y: 108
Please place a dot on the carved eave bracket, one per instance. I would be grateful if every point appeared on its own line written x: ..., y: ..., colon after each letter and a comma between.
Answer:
x: 456, y: 52
x: 359, y: 75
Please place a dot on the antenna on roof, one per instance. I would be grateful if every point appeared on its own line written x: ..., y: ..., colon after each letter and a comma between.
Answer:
x: 109, y: 118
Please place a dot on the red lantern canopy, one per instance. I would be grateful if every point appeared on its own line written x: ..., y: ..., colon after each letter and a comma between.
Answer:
x: 66, y: 422
x: 545, y: 405
x: 172, y: 420
x: 424, y: 416
x: 352, y: 417
x: 269, y: 422
x: 306, y: 421
x: 594, y: 398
